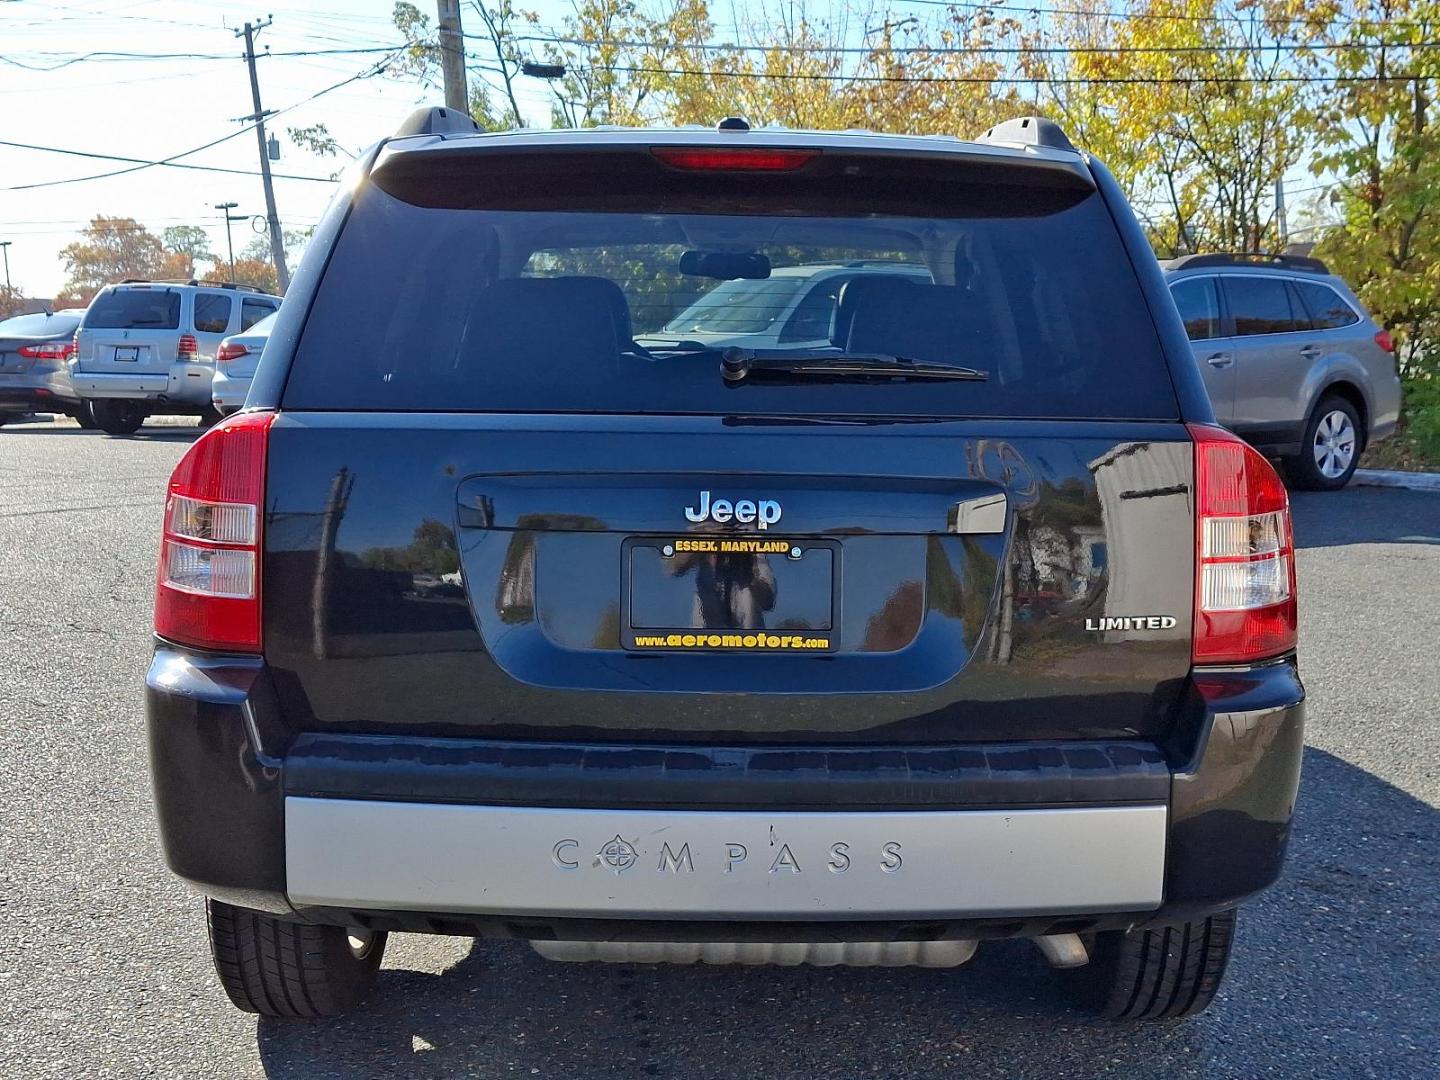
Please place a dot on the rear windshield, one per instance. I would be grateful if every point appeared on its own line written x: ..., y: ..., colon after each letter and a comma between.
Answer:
x: 491, y: 292
x: 134, y: 309
x: 39, y: 325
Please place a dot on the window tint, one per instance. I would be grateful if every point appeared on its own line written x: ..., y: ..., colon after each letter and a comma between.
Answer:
x: 1263, y: 305
x: 252, y: 311
x: 212, y: 313
x: 1328, y: 309
x: 1199, y: 308
x: 134, y: 309
x: 538, y: 305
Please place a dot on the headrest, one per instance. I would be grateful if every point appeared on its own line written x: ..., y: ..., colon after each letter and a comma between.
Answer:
x: 938, y: 323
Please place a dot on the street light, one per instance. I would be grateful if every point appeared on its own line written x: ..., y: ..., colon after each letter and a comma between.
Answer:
x: 225, y: 208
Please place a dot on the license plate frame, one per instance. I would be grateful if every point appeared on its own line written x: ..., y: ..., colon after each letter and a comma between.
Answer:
x: 744, y: 640
x: 127, y: 354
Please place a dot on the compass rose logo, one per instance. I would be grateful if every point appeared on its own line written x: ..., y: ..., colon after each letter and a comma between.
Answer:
x: 618, y: 854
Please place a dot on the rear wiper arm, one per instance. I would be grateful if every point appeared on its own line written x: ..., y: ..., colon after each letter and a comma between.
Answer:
x: 737, y: 364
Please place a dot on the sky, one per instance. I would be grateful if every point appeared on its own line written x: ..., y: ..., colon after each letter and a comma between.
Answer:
x: 144, y: 108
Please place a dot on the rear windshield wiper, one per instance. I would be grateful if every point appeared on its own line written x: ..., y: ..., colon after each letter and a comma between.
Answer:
x: 738, y: 364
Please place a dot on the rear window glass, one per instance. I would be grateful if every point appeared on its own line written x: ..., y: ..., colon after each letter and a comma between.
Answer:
x: 134, y: 309
x: 1263, y: 305
x: 1199, y: 308
x: 552, y: 302
x: 212, y: 313
x: 38, y: 325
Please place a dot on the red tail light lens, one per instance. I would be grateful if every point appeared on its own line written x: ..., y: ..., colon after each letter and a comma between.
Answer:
x: 189, y: 348
x: 207, y: 592
x: 51, y: 350
x: 230, y: 351
x: 1245, y: 558
x: 757, y: 159
x: 1384, y: 340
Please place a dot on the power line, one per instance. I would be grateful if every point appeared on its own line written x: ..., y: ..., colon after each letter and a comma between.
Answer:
x: 173, y: 160
x: 960, y: 50
x: 107, y: 56
x: 1141, y: 80
x: 1036, y: 9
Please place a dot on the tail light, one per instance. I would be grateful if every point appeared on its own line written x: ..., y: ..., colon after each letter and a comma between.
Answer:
x: 51, y: 350
x: 758, y: 159
x: 188, y: 349
x: 1245, y: 559
x: 1384, y: 340
x: 207, y: 592
x: 230, y: 350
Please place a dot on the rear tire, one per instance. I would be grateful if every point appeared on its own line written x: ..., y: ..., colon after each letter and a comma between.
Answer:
x: 289, y: 969
x: 1330, y: 450
x: 5, y: 418
x: 1159, y: 973
x: 116, y: 417
x: 210, y: 417
x: 83, y: 416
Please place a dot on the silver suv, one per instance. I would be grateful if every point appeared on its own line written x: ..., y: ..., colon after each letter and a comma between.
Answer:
x: 147, y: 347
x: 1292, y: 360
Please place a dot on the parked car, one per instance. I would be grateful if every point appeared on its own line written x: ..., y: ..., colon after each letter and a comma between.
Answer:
x: 235, y: 362
x: 147, y: 347
x: 484, y: 618
x: 792, y: 306
x: 34, y: 376
x: 1291, y: 359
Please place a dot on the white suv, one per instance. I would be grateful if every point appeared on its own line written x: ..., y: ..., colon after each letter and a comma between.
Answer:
x: 147, y: 347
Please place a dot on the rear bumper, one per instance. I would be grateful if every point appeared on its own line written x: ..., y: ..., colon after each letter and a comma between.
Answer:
x: 227, y: 394
x: 35, y: 391
x: 187, y: 383
x: 465, y: 836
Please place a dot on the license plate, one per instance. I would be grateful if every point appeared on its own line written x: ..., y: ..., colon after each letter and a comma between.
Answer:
x: 730, y: 594
x: 127, y: 352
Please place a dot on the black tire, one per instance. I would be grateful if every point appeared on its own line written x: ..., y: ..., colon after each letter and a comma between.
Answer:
x: 1161, y: 973
x: 84, y: 417
x: 1303, y: 471
x: 5, y: 418
x: 117, y: 417
x: 287, y: 969
x: 210, y: 417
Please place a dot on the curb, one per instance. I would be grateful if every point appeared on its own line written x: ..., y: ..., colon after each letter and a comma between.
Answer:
x: 1388, y: 478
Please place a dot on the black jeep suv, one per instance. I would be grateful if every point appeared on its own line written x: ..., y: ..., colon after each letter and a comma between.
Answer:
x: 730, y: 546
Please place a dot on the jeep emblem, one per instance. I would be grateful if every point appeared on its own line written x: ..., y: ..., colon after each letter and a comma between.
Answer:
x: 762, y: 513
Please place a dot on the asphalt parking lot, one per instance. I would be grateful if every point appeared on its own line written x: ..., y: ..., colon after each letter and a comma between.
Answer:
x: 103, y: 964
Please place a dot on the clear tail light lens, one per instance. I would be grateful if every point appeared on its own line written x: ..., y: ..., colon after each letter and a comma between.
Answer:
x: 1245, y: 606
x: 207, y: 592
x: 189, y: 348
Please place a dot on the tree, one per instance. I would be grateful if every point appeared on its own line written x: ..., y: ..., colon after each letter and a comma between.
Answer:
x: 111, y: 249
x: 257, y: 272
x: 188, y: 240
x: 12, y: 298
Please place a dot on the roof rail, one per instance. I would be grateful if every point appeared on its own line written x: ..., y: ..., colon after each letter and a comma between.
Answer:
x: 437, y: 120
x: 1029, y: 131
x: 1242, y: 258
x: 211, y: 283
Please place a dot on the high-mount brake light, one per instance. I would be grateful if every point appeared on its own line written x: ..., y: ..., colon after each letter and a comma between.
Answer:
x: 188, y: 349
x: 207, y: 591
x: 1245, y: 607
x: 230, y: 350
x: 50, y: 350
x: 738, y: 159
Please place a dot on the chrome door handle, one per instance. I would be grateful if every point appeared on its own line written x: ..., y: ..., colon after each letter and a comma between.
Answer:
x: 1219, y: 360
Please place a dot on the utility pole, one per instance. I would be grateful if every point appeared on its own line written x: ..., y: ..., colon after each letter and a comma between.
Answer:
x: 452, y: 57
x: 5, y: 248
x: 1280, y: 224
x: 277, y: 241
x: 225, y: 208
